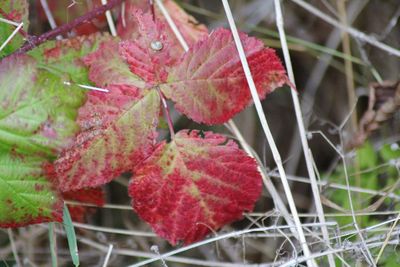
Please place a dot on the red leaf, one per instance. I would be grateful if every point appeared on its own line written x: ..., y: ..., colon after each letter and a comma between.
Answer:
x: 208, y: 84
x: 191, y: 30
x: 93, y: 196
x: 118, y: 132
x: 194, y: 184
x: 149, y: 54
x: 107, y: 68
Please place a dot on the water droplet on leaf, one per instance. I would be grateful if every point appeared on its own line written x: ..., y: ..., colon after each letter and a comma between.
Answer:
x: 156, y: 45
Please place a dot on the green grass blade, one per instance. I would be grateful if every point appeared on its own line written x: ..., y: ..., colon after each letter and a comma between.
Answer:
x: 71, y: 237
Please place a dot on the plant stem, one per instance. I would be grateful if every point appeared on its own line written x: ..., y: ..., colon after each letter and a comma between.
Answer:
x: 302, y: 130
x: 14, y: 248
x: 166, y: 113
x: 35, y: 41
x: 53, y: 245
x: 267, y: 132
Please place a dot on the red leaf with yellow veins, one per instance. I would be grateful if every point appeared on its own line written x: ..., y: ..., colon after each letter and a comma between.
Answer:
x: 191, y: 30
x: 118, y: 132
x: 149, y: 54
x: 107, y: 68
x: 208, y: 84
x: 194, y: 184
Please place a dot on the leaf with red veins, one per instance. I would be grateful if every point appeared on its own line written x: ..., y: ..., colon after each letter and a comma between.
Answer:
x: 194, y: 184
x: 148, y: 55
x: 118, y: 132
x: 209, y: 85
x: 107, y: 67
x: 94, y: 196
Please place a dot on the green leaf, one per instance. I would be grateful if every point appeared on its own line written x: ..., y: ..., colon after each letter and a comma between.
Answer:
x: 65, y: 57
x: 16, y: 11
x: 37, y: 120
x: 37, y: 110
x: 26, y: 195
x: 389, y: 152
x: 367, y: 156
x: 71, y: 237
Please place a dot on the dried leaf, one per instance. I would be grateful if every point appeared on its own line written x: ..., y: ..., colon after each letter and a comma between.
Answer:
x: 384, y: 101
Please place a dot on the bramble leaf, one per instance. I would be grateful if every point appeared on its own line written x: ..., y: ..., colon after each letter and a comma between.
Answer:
x: 108, y: 68
x: 26, y: 196
x: 208, y: 84
x: 194, y: 184
x: 65, y: 57
x: 38, y: 112
x: 16, y: 11
x: 117, y: 133
x: 37, y: 120
x: 149, y: 54
x: 191, y: 30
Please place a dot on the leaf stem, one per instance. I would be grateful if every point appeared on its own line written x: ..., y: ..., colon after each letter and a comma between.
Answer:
x: 34, y: 41
x: 166, y: 113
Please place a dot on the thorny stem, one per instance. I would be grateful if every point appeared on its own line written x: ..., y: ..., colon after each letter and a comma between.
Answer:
x: 34, y: 41
x: 166, y: 113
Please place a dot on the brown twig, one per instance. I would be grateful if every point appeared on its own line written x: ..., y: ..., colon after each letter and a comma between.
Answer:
x: 37, y: 40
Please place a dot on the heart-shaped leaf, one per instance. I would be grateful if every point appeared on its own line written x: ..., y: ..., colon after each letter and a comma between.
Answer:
x: 194, y: 184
